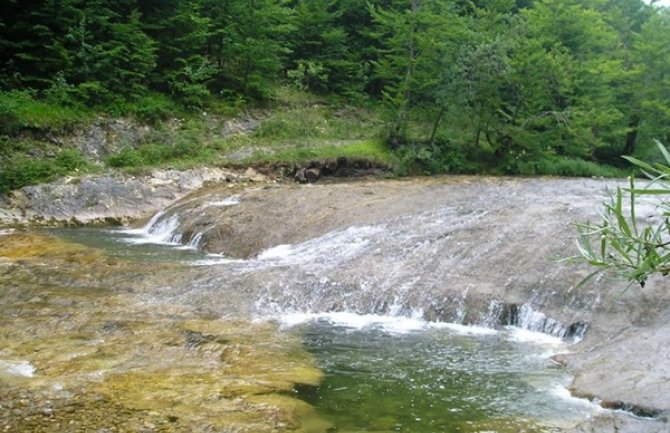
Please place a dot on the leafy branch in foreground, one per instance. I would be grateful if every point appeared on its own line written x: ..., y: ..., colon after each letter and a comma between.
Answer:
x: 619, y: 242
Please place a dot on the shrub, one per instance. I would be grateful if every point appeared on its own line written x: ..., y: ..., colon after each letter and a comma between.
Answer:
x: 623, y: 243
x: 22, y: 171
x: 21, y: 109
x: 443, y: 157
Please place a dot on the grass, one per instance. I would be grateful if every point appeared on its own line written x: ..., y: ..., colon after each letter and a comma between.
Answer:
x: 371, y: 149
x: 295, y: 128
x: 22, y: 169
x: 300, y: 118
x: 22, y: 110
x: 569, y: 167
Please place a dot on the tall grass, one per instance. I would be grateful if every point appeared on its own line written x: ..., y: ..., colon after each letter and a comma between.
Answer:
x: 21, y: 109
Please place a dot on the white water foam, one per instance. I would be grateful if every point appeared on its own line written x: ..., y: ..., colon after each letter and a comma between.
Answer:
x: 17, y: 368
x: 390, y: 324
x: 522, y: 335
x: 347, y: 243
x: 216, y: 259
x: 228, y: 201
x: 469, y: 329
x: 159, y: 231
x: 561, y: 392
x: 278, y: 252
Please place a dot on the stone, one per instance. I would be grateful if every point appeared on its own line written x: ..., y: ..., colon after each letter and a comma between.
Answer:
x: 300, y: 175
x: 312, y: 175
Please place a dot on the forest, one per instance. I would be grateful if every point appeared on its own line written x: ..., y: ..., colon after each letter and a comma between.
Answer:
x: 496, y: 86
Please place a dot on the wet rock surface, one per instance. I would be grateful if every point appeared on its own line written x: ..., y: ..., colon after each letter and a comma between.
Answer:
x: 111, y: 199
x: 81, y: 352
x: 462, y: 249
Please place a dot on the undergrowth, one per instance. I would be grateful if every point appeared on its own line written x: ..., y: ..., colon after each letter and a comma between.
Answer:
x: 295, y: 127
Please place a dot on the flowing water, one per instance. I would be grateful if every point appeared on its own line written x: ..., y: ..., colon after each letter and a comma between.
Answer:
x: 395, y: 372
x: 407, y: 375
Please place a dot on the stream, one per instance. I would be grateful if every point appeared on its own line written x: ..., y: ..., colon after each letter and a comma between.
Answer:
x: 390, y: 372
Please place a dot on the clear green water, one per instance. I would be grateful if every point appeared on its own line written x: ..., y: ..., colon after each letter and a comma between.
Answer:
x: 128, y: 244
x: 416, y: 379
x: 437, y: 380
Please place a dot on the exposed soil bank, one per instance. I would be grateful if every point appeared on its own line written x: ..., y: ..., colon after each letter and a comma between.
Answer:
x: 500, y: 242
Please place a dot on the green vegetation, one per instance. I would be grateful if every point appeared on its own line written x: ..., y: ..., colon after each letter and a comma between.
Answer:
x: 527, y: 87
x: 373, y: 150
x: 24, y: 170
x: 20, y: 109
x: 620, y: 242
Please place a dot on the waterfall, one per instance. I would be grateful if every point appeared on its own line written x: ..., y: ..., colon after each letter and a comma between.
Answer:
x: 526, y: 317
x: 165, y: 227
x: 438, y: 264
x: 159, y: 230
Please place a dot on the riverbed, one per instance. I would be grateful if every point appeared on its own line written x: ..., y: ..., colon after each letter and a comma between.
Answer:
x: 415, y: 306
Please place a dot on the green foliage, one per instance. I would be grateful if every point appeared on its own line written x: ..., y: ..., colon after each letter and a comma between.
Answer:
x: 21, y: 109
x: 151, y: 108
x: 314, y: 120
x: 21, y: 169
x: 563, y: 166
x: 542, y: 86
x: 153, y: 154
x: 444, y: 156
x: 309, y: 75
x: 374, y: 150
x: 620, y: 242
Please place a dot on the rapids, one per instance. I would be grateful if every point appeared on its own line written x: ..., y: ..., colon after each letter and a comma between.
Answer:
x: 435, y: 305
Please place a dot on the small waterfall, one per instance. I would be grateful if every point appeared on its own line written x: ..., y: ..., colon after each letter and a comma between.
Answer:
x: 165, y: 230
x: 528, y: 318
x: 159, y: 230
x: 195, y: 241
x: 525, y: 317
x: 422, y: 264
x: 167, y: 226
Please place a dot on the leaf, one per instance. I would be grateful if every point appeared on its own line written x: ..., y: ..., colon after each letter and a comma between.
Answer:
x: 663, y: 150
x: 639, y: 163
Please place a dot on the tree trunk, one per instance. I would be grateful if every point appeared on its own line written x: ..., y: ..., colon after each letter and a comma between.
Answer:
x: 631, y: 135
x: 435, y: 125
x: 400, y: 129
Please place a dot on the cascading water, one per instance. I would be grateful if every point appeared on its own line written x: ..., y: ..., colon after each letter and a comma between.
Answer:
x: 373, y: 304
x: 161, y: 229
x: 165, y: 226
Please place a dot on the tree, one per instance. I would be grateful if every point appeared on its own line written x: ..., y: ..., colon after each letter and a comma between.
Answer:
x: 247, y: 44
x: 414, y: 38
x: 619, y: 242
x: 652, y: 51
x: 320, y: 60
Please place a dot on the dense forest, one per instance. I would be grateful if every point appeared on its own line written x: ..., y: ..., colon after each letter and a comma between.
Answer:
x: 461, y: 84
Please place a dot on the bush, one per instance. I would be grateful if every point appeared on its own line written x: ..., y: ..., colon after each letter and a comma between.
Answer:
x: 22, y: 170
x: 127, y: 157
x: 21, y: 109
x: 152, y: 154
x: 70, y: 160
x: 551, y: 165
x: 443, y: 157
x: 151, y: 108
